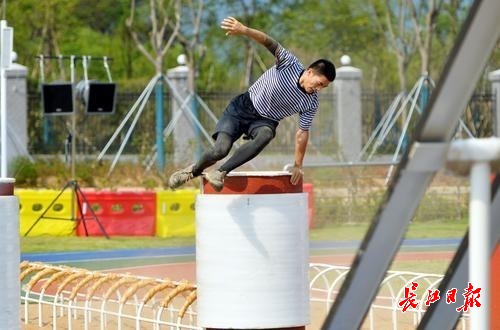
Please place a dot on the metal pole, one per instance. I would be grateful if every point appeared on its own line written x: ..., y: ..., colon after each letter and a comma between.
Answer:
x: 5, y: 61
x: 194, y: 110
x: 73, y: 139
x: 479, y: 237
x: 424, y: 95
x: 3, y: 115
x: 160, y: 160
x: 478, y: 153
x: 73, y: 119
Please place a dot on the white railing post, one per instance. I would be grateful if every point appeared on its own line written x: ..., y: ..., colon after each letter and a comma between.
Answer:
x: 479, y: 234
x: 475, y: 156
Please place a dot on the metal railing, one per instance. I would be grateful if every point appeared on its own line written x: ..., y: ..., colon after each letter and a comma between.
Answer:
x: 385, y: 311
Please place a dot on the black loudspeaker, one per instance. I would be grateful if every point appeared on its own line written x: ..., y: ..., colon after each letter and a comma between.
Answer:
x: 100, y: 98
x: 57, y: 99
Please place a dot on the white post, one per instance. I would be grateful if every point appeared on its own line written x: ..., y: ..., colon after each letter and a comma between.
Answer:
x: 494, y: 77
x: 477, y: 154
x: 10, y: 288
x: 5, y: 61
x: 348, y: 112
x: 184, y: 130
x: 479, y: 234
x: 3, y: 119
x: 9, y: 204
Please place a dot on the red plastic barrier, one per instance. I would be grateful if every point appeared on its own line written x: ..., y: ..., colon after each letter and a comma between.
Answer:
x: 308, y: 188
x: 121, y: 213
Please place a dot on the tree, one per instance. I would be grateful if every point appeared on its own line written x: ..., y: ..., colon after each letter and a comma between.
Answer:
x: 411, y: 25
x: 329, y: 29
x: 162, y: 28
x: 392, y: 18
x: 262, y: 15
x: 41, y: 31
x: 424, y: 19
x: 190, y: 35
x: 101, y: 16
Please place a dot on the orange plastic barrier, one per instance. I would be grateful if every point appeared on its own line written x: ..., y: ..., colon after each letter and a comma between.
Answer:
x: 308, y: 188
x: 121, y: 213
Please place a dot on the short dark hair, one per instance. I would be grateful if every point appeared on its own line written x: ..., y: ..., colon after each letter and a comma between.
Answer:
x: 324, y: 67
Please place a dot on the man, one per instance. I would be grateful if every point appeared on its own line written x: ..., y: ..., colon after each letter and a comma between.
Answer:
x: 283, y: 90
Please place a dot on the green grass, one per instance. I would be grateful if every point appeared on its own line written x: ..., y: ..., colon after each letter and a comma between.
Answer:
x: 432, y: 229
x: 421, y: 266
x: 75, y: 243
x: 423, y: 229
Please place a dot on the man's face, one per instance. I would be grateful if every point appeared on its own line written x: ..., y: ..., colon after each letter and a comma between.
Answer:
x: 314, y: 82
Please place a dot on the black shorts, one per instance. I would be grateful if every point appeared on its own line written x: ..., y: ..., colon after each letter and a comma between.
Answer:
x: 240, y: 117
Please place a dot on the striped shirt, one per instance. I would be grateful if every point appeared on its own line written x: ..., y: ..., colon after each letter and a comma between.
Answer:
x: 276, y: 94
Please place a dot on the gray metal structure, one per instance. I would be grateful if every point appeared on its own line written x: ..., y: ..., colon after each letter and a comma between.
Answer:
x: 419, y: 164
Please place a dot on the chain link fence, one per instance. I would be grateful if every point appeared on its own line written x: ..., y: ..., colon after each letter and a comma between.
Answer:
x: 48, y: 134
x: 353, y: 194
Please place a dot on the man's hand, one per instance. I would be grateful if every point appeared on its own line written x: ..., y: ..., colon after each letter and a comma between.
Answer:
x: 297, y: 174
x: 232, y: 26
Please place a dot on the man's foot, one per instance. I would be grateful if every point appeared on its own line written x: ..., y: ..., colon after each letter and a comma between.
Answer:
x: 180, y: 177
x: 216, y: 179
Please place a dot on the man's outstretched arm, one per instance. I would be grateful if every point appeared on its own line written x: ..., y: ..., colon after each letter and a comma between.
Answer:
x: 234, y: 27
x: 301, y: 138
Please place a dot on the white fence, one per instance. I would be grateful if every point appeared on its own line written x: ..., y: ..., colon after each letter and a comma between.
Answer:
x: 385, y: 312
x: 71, y: 298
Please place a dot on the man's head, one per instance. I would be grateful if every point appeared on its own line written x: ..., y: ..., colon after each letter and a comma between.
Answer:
x: 318, y: 76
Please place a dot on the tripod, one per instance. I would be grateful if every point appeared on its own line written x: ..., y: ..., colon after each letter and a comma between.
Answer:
x: 79, y: 197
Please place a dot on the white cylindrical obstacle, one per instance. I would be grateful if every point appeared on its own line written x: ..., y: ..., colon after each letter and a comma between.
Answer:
x: 9, y: 256
x: 252, y: 258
